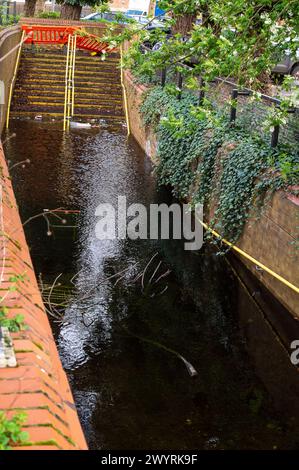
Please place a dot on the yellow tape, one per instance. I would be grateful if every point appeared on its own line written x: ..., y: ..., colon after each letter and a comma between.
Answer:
x: 250, y: 258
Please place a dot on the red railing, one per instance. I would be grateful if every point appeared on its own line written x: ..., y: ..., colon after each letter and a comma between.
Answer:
x: 40, y: 34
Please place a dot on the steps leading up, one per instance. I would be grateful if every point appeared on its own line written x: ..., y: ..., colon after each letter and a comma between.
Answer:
x: 40, y: 85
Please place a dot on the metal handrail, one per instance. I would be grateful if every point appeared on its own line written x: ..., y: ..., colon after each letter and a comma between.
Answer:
x: 43, y: 34
x: 66, y: 84
x: 69, y: 94
x: 14, y: 79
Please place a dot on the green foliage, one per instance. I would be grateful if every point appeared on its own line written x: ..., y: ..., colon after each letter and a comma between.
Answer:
x: 11, y: 430
x: 240, y: 39
x: 203, y: 157
x: 49, y: 14
x: 15, y: 323
x: 91, y: 3
x: 7, y: 20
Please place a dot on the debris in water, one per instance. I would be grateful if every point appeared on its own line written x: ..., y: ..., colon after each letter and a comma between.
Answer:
x: 80, y: 125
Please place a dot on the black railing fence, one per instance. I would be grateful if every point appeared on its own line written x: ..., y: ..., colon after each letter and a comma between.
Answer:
x: 243, y: 106
x: 8, y: 13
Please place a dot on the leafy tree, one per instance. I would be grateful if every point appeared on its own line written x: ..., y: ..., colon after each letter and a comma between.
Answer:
x: 71, y: 9
x: 239, y: 39
x: 29, y: 8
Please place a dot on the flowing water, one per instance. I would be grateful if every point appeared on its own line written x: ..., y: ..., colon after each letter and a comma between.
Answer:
x: 122, y: 335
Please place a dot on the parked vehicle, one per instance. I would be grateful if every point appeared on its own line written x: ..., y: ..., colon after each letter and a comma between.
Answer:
x: 288, y: 66
x: 107, y: 16
x: 138, y: 9
x: 136, y: 14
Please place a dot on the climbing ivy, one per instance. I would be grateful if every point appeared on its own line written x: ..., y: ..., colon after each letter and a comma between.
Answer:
x: 11, y: 430
x: 206, y: 159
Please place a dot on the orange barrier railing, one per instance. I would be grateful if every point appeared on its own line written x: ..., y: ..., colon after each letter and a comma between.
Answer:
x: 40, y: 34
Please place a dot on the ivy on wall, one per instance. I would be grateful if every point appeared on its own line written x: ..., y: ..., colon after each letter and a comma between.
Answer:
x: 206, y: 159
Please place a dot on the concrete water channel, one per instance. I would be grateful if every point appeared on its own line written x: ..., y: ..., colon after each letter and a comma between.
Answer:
x: 119, y: 341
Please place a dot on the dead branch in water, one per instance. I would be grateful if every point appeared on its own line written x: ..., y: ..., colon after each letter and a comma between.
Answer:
x: 190, y: 368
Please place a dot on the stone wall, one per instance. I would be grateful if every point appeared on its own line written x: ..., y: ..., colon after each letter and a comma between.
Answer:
x: 9, y: 38
x: 270, y: 240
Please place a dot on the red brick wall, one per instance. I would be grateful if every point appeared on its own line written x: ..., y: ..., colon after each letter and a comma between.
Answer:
x: 38, y: 385
x: 119, y: 5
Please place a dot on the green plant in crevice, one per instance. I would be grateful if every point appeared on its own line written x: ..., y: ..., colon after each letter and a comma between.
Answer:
x: 49, y: 14
x: 206, y: 159
x: 15, y: 323
x: 11, y: 430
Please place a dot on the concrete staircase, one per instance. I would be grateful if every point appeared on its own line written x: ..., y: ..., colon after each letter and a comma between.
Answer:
x: 40, y: 86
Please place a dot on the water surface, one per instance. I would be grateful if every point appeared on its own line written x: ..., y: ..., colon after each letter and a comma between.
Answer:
x: 118, y: 333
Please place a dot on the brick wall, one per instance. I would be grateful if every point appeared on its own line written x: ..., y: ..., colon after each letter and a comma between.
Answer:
x: 38, y: 385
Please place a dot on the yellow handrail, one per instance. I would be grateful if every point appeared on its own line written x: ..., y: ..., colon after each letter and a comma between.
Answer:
x: 69, y: 86
x: 124, y: 92
x: 73, y: 74
x: 249, y: 257
x: 66, y: 84
x: 69, y: 96
x: 13, y: 79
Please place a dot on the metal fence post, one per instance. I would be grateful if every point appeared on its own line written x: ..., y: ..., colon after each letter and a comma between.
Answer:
x: 163, y: 77
x: 233, y: 108
x: 180, y: 85
x: 201, y: 91
x: 15, y: 11
x: 274, y: 137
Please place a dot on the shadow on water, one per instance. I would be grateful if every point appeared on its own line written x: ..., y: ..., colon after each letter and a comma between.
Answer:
x: 121, y: 334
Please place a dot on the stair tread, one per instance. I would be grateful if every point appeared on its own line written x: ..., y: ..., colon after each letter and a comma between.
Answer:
x: 40, y: 86
x: 45, y: 113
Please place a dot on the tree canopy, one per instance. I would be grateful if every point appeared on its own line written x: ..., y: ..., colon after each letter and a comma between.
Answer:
x: 236, y: 39
x: 71, y: 9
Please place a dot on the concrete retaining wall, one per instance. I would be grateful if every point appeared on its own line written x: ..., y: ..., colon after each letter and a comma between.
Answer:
x: 9, y: 38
